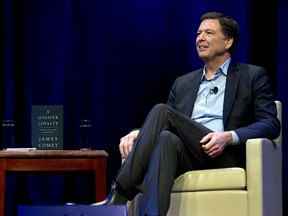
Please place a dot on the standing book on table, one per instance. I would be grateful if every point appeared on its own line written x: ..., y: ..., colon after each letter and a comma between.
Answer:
x: 47, y: 127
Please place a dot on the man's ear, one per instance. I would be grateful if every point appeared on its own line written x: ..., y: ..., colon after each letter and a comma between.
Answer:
x: 229, y: 43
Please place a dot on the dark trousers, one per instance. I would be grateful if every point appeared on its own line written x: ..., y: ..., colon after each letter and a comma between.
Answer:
x: 166, y: 147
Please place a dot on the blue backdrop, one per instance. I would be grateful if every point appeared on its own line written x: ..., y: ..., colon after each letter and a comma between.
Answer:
x: 110, y: 61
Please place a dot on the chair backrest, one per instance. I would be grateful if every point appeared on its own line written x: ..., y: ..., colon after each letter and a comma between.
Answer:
x: 279, y: 115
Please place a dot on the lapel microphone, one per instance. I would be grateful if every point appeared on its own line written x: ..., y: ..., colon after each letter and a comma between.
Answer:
x: 213, y: 90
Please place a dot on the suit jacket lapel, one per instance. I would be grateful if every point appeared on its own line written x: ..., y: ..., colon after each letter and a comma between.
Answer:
x: 233, y: 76
x: 195, y: 83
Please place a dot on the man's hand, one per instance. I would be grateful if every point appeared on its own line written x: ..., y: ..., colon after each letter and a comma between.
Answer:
x: 214, y: 143
x: 127, y: 142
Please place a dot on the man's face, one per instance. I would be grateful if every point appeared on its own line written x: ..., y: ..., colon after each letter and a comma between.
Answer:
x: 211, y: 43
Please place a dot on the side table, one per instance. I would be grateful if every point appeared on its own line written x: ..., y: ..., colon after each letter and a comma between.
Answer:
x: 54, y: 161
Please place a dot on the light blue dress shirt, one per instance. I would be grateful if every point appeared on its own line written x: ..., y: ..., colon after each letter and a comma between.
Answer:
x: 208, y: 109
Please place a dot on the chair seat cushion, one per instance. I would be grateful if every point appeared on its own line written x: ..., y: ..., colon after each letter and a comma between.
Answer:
x: 211, y: 179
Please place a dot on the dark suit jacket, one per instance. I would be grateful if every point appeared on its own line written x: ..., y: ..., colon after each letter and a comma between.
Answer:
x: 249, y: 108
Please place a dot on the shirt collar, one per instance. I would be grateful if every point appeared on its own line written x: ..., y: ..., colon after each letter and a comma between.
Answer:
x: 223, y: 68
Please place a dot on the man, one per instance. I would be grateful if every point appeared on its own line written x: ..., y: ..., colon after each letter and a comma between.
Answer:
x: 210, y: 114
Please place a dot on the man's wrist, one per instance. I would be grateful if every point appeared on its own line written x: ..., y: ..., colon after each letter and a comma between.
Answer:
x: 235, y: 138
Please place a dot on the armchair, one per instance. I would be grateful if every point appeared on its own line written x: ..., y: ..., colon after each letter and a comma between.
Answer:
x: 256, y: 191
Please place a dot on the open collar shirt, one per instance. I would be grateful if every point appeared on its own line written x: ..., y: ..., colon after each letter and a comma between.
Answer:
x: 208, y: 109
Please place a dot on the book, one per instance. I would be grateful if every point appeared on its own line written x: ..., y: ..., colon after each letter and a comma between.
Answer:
x: 47, y: 127
x: 20, y: 149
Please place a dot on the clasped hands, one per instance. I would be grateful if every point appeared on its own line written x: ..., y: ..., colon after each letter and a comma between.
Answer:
x: 212, y: 144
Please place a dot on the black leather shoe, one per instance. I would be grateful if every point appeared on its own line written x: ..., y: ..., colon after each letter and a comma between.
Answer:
x: 115, y: 196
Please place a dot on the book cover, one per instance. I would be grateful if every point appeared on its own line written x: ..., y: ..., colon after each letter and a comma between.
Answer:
x: 47, y: 127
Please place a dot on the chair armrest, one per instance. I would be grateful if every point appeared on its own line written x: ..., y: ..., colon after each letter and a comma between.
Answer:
x: 264, y: 177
